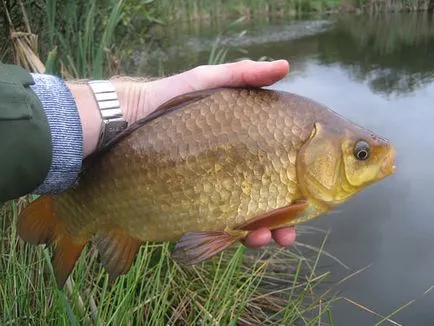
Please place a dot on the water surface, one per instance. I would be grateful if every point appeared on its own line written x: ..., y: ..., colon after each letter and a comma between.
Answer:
x: 378, y: 72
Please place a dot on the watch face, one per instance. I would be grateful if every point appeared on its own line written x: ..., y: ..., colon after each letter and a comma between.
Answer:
x: 113, y: 128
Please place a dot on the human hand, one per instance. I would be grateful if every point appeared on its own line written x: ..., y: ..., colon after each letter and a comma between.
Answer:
x: 138, y: 99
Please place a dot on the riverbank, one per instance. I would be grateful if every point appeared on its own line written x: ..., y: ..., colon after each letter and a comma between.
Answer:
x: 102, y: 29
x: 216, y: 9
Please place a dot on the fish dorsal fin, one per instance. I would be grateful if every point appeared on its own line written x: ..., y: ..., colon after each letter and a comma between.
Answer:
x: 184, y: 99
x: 38, y: 224
x: 176, y: 103
x: 117, y: 252
x: 276, y: 218
x: 195, y: 247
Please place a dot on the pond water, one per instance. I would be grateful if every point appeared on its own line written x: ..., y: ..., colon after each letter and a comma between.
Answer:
x: 379, y: 72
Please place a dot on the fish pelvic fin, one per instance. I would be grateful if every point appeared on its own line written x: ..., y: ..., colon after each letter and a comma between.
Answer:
x: 117, y: 252
x: 195, y: 247
x: 38, y: 224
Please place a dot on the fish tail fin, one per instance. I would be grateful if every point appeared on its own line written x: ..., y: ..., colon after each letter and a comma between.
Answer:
x: 38, y: 224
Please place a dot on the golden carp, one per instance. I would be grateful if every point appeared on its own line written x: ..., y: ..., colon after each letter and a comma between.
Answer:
x: 203, y: 170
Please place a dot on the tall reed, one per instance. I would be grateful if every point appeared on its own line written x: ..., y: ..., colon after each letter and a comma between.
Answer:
x: 214, y: 9
x: 83, y: 37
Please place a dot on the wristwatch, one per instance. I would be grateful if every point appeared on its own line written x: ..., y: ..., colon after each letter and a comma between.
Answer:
x: 113, y: 122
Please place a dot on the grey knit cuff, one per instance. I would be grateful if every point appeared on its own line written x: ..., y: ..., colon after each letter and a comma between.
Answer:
x: 66, y: 133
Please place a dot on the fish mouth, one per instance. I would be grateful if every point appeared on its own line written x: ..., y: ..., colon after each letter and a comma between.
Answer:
x: 388, y: 165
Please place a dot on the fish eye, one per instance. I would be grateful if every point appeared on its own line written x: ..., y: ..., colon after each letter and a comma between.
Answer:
x: 361, y: 150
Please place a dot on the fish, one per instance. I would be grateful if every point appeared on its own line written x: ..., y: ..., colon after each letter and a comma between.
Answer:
x: 204, y: 170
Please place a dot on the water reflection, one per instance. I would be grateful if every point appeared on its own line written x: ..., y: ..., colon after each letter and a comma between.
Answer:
x: 388, y: 52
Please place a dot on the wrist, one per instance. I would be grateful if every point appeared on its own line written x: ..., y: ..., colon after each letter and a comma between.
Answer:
x: 131, y: 94
x: 90, y: 116
x: 132, y: 97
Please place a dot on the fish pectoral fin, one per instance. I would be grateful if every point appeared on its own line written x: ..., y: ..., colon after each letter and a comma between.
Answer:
x: 38, y: 224
x: 276, y: 218
x: 195, y: 247
x: 117, y: 251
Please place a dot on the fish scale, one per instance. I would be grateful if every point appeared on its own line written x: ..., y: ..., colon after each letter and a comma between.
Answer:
x: 205, y: 168
x: 194, y: 133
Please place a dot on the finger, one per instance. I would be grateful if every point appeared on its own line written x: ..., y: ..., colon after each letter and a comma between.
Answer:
x: 284, y: 237
x: 258, y: 238
x: 237, y: 74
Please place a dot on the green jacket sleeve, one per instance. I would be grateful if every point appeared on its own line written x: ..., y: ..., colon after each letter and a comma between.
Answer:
x: 25, y: 139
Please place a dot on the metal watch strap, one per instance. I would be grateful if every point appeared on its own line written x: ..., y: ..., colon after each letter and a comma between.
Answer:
x: 113, y: 121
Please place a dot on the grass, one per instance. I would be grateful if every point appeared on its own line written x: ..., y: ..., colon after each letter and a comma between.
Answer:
x: 264, y: 287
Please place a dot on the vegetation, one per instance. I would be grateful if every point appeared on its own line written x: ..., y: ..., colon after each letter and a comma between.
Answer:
x: 80, y: 43
x: 267, y: 287
x: 211, y: 9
